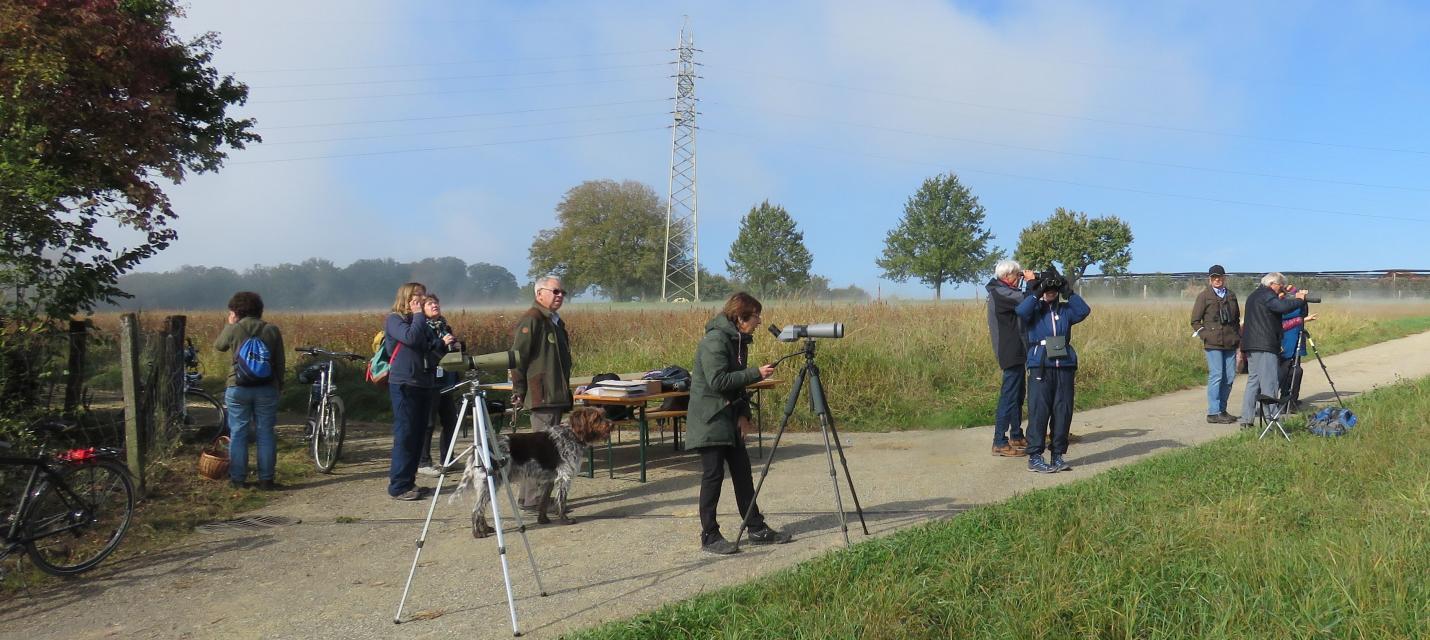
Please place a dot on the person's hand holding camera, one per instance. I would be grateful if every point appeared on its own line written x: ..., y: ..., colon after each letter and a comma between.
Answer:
x: 1301, y: 295
x: 766, y: 370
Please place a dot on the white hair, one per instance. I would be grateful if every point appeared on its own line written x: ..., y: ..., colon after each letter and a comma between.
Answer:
x: 1006, y: 268
x: 543, y: 281
x: 1274, y: 277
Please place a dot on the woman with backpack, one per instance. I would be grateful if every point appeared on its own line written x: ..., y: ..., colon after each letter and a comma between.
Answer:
x: 415, y: 350
x: 252, y: 393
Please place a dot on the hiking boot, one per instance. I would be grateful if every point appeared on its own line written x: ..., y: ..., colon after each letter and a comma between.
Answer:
x: 1213, y: 418
x: 1036, y: 465
x: 1246, y: 425
x: 1226, y: 418
x: 412, y: 495
x: 1018, y: 443
x: 1059, y: 464
x: 768, y: 536
x: 1007, y: 451
x: 429, y: 470
x: 719, y: 546
x: 237, y: 484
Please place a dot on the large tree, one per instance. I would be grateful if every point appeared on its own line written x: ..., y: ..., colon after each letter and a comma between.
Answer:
x: 769, y: 255
x: 941, y: 237
x: 101, y: 104
x: 610, y: 236
x: 1076, y: 242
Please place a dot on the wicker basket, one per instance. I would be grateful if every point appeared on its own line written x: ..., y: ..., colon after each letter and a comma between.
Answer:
x: 213, y: 460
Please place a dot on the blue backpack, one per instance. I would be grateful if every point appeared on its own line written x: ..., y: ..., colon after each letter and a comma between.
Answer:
x: 252, y: 363
x: 1331, y: 421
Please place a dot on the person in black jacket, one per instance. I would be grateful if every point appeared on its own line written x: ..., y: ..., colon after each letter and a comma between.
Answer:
x: 1261, y: 340
x: 1011, y: 348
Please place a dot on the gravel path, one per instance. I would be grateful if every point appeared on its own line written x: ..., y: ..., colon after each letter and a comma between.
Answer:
x: 339, y: 572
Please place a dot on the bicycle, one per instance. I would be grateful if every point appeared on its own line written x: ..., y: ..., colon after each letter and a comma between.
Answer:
x: 75, y: 508
x: 203, y: 413
x: 327, y: 417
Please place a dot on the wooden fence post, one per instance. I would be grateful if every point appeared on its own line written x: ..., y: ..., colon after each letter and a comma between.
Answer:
x: 170, y: 392
x: 129, y: 375
x: 74, y: 382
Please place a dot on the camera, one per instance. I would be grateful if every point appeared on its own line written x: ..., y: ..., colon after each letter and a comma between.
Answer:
x: 796, y: 331
x: 495, y: 362
x: 1315, y: 299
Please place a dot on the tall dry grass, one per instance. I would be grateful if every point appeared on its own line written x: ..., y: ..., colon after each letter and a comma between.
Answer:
x: 899, y: 366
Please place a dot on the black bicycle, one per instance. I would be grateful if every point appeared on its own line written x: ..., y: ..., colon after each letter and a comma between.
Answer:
x: 75, y: 508
x: 204, y: 415
x: 327, y: 417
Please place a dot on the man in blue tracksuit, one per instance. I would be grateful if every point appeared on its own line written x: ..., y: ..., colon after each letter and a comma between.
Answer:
x: 1052, y: 364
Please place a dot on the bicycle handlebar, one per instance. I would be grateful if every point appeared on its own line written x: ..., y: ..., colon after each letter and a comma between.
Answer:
x: 315, y: 351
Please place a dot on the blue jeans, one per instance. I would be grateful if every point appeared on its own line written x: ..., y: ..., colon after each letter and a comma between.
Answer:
x: 1050, y: 408
x: 252, y: 409
x: 411, y: 409
x: 1010, y: 406
x: 1221, y: 372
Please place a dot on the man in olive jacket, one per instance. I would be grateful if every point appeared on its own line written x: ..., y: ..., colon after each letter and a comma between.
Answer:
x: 1216, y: 319
x: 718, y: 416
x: 542, y: 379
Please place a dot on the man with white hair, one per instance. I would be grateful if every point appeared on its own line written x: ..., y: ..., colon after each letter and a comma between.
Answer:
x: 1011, y: 348
x: 542, y: 380
x: 1261, y: 340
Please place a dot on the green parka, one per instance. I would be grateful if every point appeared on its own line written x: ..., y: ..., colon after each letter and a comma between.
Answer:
x: 717, y: 386
x: 544, y: 375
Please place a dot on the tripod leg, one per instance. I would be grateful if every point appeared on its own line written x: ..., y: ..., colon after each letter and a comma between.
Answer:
x: 775, y: 446
x: 1324, y: 370
x: 426, y: 524
x: 826, y: 421
x: 484, y: 429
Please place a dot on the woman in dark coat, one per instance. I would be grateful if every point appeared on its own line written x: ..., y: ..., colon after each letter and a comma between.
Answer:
x: 719, y: 417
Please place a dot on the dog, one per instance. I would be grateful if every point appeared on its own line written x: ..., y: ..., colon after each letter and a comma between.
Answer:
x: 548, y: 459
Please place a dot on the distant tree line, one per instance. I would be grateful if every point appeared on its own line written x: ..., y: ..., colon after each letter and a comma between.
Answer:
x: 319, y: 284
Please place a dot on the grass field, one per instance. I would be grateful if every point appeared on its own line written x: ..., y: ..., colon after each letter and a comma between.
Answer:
x: 900, y: 366
x: 1238, y: 538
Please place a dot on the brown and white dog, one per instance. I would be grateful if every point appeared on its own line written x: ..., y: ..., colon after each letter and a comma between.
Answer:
x: 548, y: 459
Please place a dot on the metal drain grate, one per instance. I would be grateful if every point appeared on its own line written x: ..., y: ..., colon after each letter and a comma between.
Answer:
x: 247, y: 523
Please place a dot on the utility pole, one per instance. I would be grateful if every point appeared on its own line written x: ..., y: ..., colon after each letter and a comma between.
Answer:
x: 681, y: 280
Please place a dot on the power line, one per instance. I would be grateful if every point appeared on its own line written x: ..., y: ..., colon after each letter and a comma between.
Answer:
x: 1074, y: 154
x: 451, y: 131
x: 450, y: 147
x: 466, y: 115
x: 1120, y: 123
x: 454, y: 91
x: 454, y: 62
x: 462, y: 77
x: 1090, y: 185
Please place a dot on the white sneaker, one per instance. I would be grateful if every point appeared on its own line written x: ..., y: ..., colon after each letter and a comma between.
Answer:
x: 429, y: 471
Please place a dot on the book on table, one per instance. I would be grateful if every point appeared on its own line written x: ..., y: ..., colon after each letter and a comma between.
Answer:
x: 623, y: 388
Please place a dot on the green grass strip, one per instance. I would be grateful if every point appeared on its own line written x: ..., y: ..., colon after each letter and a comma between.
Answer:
x: 1238, y: 538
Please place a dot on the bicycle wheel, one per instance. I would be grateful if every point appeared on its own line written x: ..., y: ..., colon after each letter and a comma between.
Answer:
x: 204, y: 415
x: 328, y: 438
x: 75, y: 524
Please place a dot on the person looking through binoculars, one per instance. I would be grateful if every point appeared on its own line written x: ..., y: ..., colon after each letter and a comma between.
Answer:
x: 719, y: 417
x: 542, y: 377
x: 1216, y: 319
x: 1010, y: 346
x: 415, y: 350
x: 444, y: 406
x: 1052, y: 366
x: 1289, y: 369
x: 1261, y: 340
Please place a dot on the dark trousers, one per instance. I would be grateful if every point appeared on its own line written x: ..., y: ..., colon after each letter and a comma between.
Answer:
x: 444, y: 413
x: 1290, y: 375
x: 1010, y: 406
x: 712, y: 477
x: 1050, y: 408
x: 411, y: 407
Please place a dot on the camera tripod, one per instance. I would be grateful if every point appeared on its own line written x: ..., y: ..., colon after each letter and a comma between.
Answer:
x: 820, y: 407
x: 481, y: 452
x: 1296, y: 373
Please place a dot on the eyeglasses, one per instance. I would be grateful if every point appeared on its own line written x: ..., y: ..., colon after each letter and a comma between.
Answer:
x: 555, y: 292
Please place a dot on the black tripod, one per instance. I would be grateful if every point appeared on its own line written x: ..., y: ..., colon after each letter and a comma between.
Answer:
x: 1296, y: 374
x: 826, y: 424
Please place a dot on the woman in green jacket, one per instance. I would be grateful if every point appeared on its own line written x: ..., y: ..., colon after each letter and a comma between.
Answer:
x: 719, y: 417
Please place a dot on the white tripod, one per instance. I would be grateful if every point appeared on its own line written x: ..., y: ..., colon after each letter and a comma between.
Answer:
x: 481, y: 451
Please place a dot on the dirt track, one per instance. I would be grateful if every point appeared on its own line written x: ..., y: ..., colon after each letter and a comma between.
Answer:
x: 339, y: 573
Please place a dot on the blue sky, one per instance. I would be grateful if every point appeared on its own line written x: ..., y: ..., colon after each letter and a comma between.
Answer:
x: 1262, y: 136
